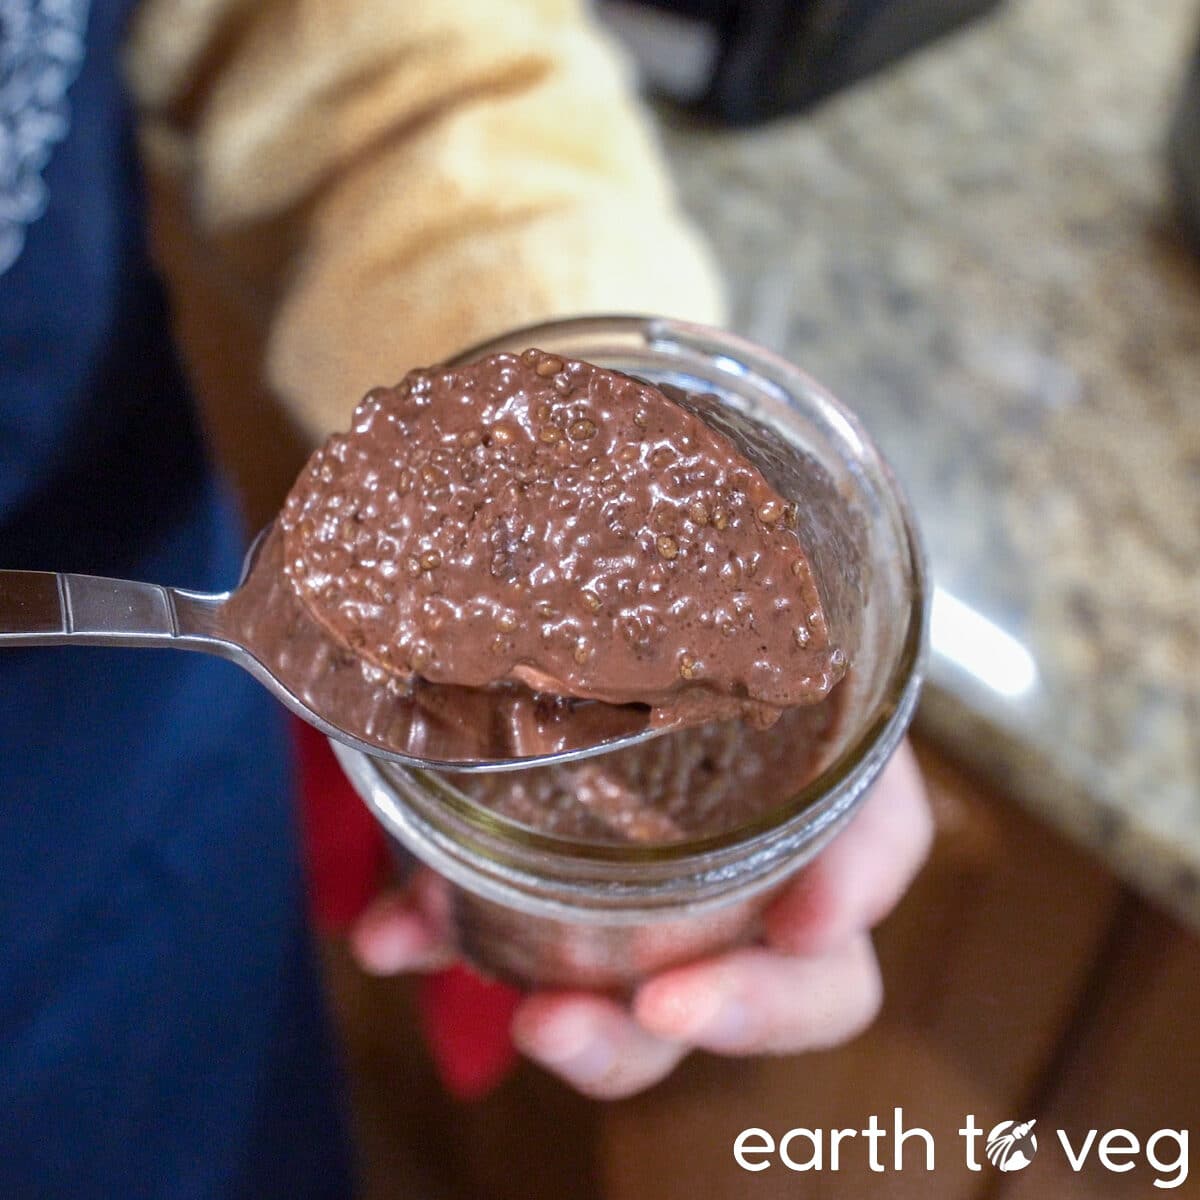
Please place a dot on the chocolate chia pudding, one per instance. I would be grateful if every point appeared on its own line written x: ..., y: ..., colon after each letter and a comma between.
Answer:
x: 696, y: 782
x: 492, y: 544
x: 541, y: 521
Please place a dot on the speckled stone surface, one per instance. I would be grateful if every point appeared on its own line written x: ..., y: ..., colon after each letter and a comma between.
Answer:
x: 977, y: 252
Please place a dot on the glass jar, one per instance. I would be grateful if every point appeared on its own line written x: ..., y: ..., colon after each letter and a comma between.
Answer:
x: 542, y: 909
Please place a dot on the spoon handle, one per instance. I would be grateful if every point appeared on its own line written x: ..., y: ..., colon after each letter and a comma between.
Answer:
x: 46, y: 608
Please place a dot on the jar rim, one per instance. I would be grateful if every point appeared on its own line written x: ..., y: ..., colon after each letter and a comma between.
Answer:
x: 890, y: 717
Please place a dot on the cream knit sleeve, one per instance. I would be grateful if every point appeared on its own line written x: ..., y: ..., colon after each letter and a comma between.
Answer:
x: 444, y: 169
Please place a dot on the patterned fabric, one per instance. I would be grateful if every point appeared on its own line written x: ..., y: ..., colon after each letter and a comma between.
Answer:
x: 41, y: 49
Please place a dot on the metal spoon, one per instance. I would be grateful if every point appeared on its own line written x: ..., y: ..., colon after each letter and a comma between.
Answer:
x: 262, y: 627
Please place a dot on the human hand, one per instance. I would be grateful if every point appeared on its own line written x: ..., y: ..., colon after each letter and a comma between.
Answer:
x: 813, y: 981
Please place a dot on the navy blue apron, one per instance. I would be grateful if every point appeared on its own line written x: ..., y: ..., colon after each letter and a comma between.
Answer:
x: 161, y: 1031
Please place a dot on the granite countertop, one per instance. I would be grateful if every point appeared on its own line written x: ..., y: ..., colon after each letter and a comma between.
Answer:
x: 976, y: 251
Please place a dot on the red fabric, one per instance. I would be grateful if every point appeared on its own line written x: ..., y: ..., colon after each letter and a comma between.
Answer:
x: 465, y: 1018
x: 345, y: 850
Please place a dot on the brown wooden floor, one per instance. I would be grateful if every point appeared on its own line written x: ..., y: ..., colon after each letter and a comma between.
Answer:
x: 1022, y: 982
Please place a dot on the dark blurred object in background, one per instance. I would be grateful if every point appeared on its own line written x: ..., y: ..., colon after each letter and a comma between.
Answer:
x: 746, y: 61
x: 1183, y: 149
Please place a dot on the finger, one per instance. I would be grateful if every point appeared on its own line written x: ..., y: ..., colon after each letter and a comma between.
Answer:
x: 398, y: 932
x: 592, y: 1043
x: 757, y: 1001
x: 859, y: 877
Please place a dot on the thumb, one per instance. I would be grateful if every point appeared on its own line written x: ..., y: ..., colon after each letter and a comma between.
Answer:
x: 403, y: 931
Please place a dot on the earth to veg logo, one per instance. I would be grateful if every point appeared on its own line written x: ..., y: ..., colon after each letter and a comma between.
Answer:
x: 884, y: 1145
x: 1011, y: 1147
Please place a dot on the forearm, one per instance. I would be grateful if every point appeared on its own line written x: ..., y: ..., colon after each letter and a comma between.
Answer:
x: 447, y: 170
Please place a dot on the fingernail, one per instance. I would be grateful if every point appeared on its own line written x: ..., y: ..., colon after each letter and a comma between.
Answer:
x: 389, y: 948
x: 726, y: 1025
x: 708, y: 1014
x: 568, y: 1044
